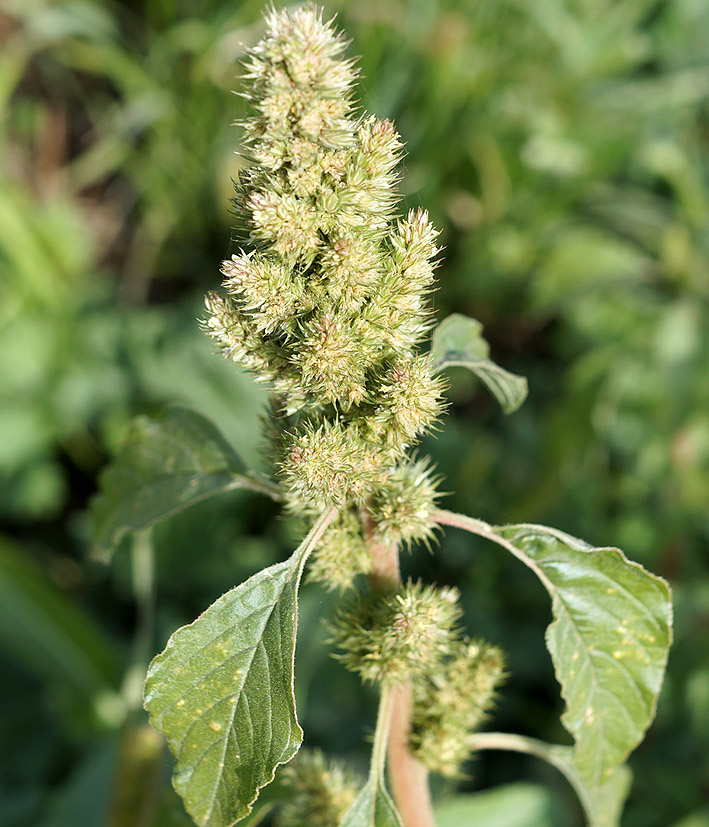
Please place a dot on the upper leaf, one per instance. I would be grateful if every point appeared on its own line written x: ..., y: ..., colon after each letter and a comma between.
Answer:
x: 609, y: 641
x: 458, y: 341
x: 165, y: 465
x: 373, y: 807
x: 222, y: 692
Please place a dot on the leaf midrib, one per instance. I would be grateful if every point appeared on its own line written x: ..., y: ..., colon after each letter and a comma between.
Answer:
x: 240, y: 692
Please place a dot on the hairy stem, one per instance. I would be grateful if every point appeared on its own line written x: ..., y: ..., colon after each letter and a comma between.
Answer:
x: 407, y: 776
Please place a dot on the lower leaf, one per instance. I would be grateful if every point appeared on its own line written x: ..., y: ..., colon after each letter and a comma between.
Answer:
x: 222, y: 692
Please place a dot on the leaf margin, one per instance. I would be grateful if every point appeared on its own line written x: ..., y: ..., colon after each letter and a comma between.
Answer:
x: 112, y: 523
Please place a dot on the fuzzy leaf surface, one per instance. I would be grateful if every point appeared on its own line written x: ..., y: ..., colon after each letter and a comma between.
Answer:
x: 166, y: 465
x: 609, y: 638
x: 373, y: 807
x: 222, y: 692
x: 458, y: 341
x: 609, y: 642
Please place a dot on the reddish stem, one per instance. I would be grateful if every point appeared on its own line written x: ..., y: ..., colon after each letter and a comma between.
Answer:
x: 407, y: 776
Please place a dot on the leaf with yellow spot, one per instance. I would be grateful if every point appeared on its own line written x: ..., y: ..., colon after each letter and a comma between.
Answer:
x: 609, y: 638
x: 222, y: 692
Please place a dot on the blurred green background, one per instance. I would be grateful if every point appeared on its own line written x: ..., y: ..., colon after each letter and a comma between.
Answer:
x: 563, y: 148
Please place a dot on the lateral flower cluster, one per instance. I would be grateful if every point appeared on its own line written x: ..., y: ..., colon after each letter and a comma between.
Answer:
x: 326, y: 298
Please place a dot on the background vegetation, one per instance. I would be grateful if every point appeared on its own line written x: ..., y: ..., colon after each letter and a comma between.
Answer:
x: 562, y: 146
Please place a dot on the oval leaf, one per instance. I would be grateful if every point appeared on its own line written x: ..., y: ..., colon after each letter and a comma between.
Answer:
x: 222, y: 692
x: 609, y: 642
x: 166, y: 465
x: 609, y: 639
x: 458, y: 341
x: 373, y: 807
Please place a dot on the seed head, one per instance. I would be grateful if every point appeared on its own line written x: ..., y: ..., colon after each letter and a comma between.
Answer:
x: 342, y: 553
x: 326, y: 299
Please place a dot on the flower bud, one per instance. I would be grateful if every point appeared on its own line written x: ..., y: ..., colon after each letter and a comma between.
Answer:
x: 409, y: 401
x: 328, y: 463
x: 402, y: 507
x: 342, y: 553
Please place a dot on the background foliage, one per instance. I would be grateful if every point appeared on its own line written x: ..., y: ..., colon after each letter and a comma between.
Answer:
x: 561, y: 145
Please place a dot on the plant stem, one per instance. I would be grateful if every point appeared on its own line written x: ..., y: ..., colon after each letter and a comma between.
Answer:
x: 381, y: 734
x: 547, y: 752
x: 385, y: 574
x: 407, y: 776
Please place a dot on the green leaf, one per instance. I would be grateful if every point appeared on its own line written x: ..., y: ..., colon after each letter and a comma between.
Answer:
x: 609, y: 642
x: 222, y: 692
x: 609, y: 638
x: 458, y: 341
x: 166, y: 465
x: 373, y: 807
x: 603, y: 803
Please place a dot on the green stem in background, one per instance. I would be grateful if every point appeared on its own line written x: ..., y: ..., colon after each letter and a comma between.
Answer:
x: 407, y: 776
x: 531, y: 746
x: 137, y: 777
x: 143, y: 582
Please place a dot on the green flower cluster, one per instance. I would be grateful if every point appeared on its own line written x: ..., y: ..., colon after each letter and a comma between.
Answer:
x: 327, y: 297
x: 413, y: 635
x: 452, y: 702
x: 395, y: 637
x: 316, y: 792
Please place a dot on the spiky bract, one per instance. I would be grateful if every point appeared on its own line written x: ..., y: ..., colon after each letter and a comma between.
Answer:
x: 318, y: 792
